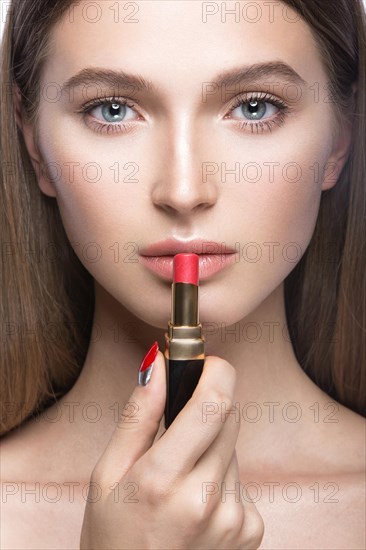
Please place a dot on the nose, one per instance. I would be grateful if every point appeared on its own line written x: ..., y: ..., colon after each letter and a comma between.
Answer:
x: 180, y: 189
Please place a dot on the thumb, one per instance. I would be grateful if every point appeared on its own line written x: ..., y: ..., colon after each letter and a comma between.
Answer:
x: 138, y: 423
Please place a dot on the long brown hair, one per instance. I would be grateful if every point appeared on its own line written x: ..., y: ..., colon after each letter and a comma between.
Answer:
x: 48, y: 295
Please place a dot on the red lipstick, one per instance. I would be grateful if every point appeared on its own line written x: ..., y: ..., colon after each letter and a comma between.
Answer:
x: 184, y: 352
x: 185, y: 268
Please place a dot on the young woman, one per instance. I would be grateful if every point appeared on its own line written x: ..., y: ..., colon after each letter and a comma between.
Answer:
x: 131, y: 131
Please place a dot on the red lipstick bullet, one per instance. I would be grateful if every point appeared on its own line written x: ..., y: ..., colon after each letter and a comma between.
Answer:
x: 184, y: 353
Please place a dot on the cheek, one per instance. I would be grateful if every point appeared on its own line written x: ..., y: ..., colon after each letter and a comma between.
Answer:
x: 288, y: 204
x: 277, y: 194
x: 98, y: 185
x: 104, y: 211
x: 292, y: 201
x: 273, y: 210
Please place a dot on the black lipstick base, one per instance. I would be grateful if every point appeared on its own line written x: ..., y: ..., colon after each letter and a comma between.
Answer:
x: 182, y: 379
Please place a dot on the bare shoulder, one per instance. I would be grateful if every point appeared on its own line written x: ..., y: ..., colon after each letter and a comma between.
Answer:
x: 40, y: 516
x: 320, y: 503
x: 350, y: 443
x: 43, y: 450
x: 21, y: 452
x: 36, y: 505
x: 323, y: 512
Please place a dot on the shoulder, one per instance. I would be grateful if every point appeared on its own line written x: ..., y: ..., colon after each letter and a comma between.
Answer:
x: 18, y: 450
x: 320, y: 502
x: 314, y: 512
x: 36, y: 501
x: 350, y: 442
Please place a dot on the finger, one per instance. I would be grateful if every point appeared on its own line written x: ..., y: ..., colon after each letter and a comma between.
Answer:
x: 236, y: 517
x: 214, y: 462
x: 199, y: 422
x: 137, y: 427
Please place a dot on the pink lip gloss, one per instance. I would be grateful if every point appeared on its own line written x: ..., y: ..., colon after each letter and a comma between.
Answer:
x: 184, y: 353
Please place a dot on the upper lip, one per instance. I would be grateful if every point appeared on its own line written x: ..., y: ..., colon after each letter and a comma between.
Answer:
x: 170, y: 247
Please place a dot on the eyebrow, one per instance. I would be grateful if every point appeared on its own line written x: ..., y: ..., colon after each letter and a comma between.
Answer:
x: 92, y: 76
x: 120, y: 79
x: 259, y: 71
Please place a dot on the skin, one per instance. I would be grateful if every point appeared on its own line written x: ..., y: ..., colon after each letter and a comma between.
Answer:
x: 171, y: 46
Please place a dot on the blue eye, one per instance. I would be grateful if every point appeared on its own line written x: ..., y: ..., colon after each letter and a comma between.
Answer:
x: 258, y: 112
x: 254, y: 109
x: 112, y: 112
x: 110, y: 115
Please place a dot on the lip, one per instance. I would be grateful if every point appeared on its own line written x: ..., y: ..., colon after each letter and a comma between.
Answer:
x: 208, y: 264
x: 170, y: 247
x: 158, y: 257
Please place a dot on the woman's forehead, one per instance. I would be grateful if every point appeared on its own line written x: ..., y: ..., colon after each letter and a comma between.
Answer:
x: 181, y: 42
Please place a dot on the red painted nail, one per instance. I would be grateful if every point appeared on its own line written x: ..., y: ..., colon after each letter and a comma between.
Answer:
x: 147, y: 364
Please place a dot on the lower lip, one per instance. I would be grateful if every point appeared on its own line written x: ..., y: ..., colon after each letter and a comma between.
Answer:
x: 209, y: 264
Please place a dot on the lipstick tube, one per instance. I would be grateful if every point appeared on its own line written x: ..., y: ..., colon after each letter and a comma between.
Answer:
x: 184, y: 353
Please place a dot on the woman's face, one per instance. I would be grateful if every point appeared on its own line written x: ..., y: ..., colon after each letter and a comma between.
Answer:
x: 186, y: 158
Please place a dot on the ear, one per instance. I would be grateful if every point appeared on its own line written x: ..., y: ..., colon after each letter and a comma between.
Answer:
x: 28, y: 134
x: 340, y: 151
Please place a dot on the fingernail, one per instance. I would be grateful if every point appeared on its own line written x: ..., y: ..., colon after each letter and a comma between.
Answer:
x: 147, y: 364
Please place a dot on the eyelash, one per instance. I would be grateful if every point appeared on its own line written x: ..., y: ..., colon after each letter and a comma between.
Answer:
x: 262, y: 97
x: 107, y: 128
x: 260, y: 126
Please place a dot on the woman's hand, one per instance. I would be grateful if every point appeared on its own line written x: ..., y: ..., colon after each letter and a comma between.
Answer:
x: 176, y: 492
